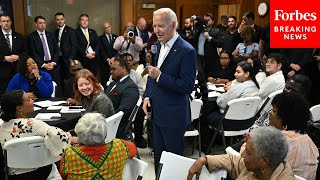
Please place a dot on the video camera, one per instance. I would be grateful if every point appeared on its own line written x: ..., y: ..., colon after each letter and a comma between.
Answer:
x: 200, y: 24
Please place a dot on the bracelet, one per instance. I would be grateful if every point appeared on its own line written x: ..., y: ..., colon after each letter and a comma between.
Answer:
x: 207, y: 166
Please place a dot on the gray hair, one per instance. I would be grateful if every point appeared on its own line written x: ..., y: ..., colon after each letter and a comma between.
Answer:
x: 170, y: 15
x: 91, y: 129
x: 270, y: 143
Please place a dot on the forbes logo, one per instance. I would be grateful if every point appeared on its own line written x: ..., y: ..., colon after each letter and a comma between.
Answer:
x: 294, y: 16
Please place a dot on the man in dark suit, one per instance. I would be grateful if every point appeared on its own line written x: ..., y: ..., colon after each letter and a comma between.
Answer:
x: 170, y: 82
x: 87, y: 45
x: 12, y: 48
x: 44, y: 48
x: 140, y: 31
x: 67, y: 43
x: 123, y: 92
x: 106, y: 51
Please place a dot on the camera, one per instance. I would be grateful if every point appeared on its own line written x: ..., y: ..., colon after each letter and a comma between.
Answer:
x: 199, y: 24
x: 130, y: 31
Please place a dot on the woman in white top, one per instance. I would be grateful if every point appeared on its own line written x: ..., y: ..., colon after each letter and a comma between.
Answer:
x: 15, y: 106
x: 246, y: 86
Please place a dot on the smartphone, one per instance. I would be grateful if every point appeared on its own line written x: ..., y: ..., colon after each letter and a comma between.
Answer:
x: 75, y: 107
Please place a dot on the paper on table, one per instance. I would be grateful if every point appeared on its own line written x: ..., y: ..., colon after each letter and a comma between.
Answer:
x: 48, y: 103
x: 48, y: 116
x: 215, y: 88
x: 36, y: 108
x: 54, y: 107
x: 213, y: 94
x: 66, y: 109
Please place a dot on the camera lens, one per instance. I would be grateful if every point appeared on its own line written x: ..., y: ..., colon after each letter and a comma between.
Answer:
x: 130, y: 34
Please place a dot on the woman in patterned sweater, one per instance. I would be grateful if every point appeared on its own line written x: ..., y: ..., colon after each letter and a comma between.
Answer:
x: 94, y: 158
x: 15, y: 106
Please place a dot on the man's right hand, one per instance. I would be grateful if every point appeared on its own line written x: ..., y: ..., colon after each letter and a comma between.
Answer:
x: 146, y: 104
x: 9, y: 59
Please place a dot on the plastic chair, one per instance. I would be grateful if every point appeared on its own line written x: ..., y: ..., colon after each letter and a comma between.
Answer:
x: 241, y: 109
x: 112, y: 125
x: 315, y: 111
x: 173, y: 166
x: 25, y: 153
x: 299, y: 178
x: 54, y: 89
x: 134, y: 169
x: 129, y: 128
x: 266, y: 106
x: 231, y: 151
x: 195, y: 106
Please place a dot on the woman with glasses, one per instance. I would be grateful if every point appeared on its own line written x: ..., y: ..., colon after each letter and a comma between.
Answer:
x: 290, y: 114
x: 264, y: 158
x: 226, y: 70
x: 248, y: 50
x: 89, y: 94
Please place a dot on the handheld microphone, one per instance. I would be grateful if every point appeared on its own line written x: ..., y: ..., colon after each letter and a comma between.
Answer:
x: 153, y: 49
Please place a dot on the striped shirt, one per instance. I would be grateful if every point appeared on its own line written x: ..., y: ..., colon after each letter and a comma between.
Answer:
x: 302, y: 154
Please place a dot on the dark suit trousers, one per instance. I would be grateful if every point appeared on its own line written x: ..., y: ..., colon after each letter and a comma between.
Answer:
x: 167, y: 139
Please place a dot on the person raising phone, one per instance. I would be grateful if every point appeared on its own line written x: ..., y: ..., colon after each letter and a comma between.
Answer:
x: 30, y: 79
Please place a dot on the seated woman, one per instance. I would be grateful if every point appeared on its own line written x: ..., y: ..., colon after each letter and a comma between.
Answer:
x: 99, y: 159
x: 88, y: 93
x: 15, y: 106
x: 30, y: 79
x: 290, y: 114
x: 225, y: 71
x: 264, y: 158
x: 248, y: 49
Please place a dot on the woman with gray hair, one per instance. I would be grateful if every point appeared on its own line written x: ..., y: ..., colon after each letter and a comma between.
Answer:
x: 95, y: 158
x: 266, y: 149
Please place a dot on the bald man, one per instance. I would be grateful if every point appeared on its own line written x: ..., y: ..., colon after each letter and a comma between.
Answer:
x: 140, y: 31
x: 106, y: 51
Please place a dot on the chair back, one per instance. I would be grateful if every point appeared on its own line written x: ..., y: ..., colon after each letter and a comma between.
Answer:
x: 266, y: 106
x: 173, y: 166
x: 195, y: 106
x: 134, y: 169
x: 231, y: 151
x: 54, y: 84
x: 315, y: 111
x: 299, y: 178
x: 133, y: 114
x: 112, y: 125
x: 242, y: 108
x: 28, y: 152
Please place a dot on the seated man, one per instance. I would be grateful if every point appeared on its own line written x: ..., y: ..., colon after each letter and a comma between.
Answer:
x: 275, y: 79
x: 123, y: 92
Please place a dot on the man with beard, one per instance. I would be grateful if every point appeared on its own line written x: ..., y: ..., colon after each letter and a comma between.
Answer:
x: 231, y: 37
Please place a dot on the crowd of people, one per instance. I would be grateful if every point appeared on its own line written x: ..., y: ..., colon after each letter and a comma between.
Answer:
x: 168, y: 68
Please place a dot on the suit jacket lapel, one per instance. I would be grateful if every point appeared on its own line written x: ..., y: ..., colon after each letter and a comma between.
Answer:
x: 14, y: 41
x: 172, y: 53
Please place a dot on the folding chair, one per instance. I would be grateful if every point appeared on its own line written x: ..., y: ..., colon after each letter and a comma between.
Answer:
x: 195, y: 106
x: 173, y: 166
x: 134, y: 169
x: 241, y: 109
x: 26, y: 153
x: 129, y: 128
x: 112, y: 125
x: 299, y: 178
x: 231, y: 151
x: 315, y: 111
x: 54, y: 89
x: 266, y: 106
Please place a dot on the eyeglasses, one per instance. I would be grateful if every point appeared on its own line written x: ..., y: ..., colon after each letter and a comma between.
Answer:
x: 271, y: 61
x: 224, y: 58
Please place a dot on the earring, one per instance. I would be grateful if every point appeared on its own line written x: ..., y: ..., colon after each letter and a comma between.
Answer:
x: 262, y: 170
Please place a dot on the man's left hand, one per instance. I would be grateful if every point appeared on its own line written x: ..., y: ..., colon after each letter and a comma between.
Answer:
x: 296, y: 67
x: 153, y: 72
